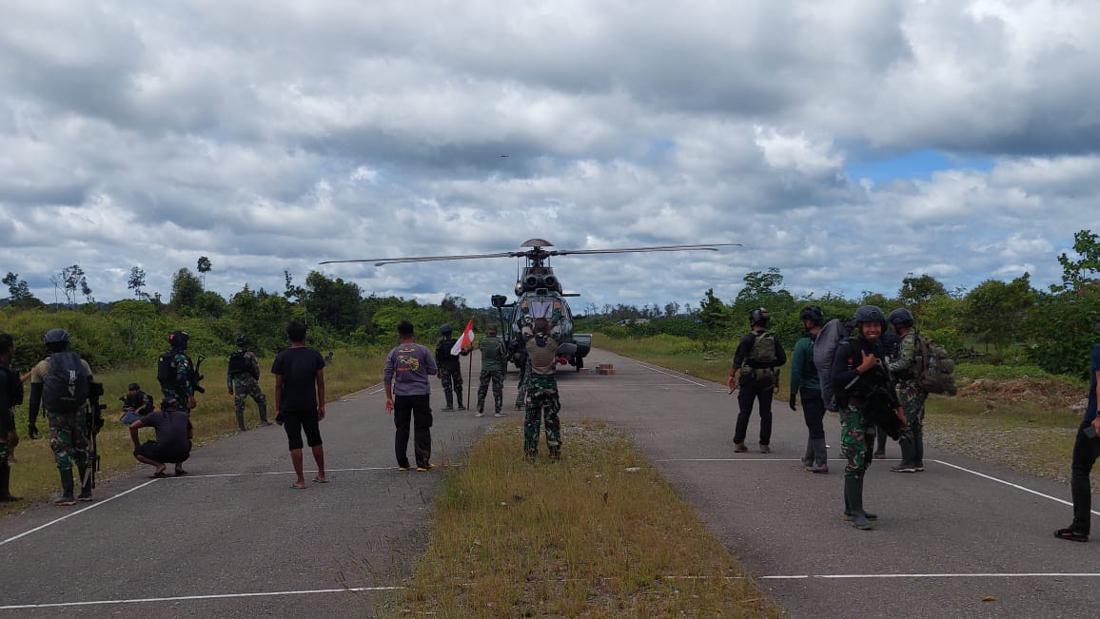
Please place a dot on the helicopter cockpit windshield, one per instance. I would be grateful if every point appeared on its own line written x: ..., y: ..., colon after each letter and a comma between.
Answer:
x: 548, y: 307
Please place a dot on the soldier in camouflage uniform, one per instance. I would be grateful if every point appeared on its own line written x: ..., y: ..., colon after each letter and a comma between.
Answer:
x: 242, y: 378
x: 68, y: 431
x: 11, y: 395
x: 904, y: 368
x: 450, y: 370
x: 542, y: 401
x: 866, y: 396
x: 176, y: 374
x: 494, y: 358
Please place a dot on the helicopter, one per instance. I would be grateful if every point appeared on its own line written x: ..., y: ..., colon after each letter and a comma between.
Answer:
x: 539, y: 292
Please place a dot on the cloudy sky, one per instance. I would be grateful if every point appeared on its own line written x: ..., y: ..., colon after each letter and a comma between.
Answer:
x: 847, y: 142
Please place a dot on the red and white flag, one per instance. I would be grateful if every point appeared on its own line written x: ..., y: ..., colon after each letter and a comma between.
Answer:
x: 466, y: 340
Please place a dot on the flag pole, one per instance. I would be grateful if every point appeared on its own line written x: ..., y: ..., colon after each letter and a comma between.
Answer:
x: 470, y: 376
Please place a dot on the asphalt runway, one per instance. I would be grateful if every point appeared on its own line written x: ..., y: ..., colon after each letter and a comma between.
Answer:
x: 963, y: 538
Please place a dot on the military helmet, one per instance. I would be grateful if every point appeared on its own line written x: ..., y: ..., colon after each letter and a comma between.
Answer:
x: 759, y: 316
x: 901, y: 317
x: 814, y: 313
x: 178, y: 339
x: 446, y: 330
x: 869, y: 313
x: 56, y: 336
x: 242, y: 340
x: 134, y: 387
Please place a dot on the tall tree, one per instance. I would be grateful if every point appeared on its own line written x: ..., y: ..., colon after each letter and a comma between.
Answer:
x: 186, y: 289
x: 1087, y: 247
x: 72, y: 279
x: 203, y: 266
x: 136, y: 281
x: 996, y: 312
x: 333, y: 302
x: 713, y: 312
x: 918, y: 289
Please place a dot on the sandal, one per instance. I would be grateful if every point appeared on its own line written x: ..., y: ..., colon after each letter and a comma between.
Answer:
x: 318, y: 480
x: 295, y: 486
x: 158, y: 475
x: 1071, y: 535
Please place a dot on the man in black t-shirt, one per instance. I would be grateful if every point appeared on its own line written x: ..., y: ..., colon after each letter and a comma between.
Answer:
x: 754, y: 372
x: 300, y: 399
x: 173, y: 443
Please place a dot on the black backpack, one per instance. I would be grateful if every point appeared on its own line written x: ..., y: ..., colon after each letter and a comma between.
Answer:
x: 66, y: 386
x: 13, y: 385
x: 238, y: 364
x: 166, y: 370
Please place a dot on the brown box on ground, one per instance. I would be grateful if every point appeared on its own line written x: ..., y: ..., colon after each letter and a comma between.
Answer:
x: 605, y: 369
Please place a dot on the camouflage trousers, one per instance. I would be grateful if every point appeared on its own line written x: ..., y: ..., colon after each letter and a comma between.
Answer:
x: 497, y: 378
x: 857, y: 440
x: 521, y: 388
x: 542, y: 409
x: 452, y: 384
x: 176, y: 400
x: 245, y: 387
x: 68, y: 440
x: 912, y: 399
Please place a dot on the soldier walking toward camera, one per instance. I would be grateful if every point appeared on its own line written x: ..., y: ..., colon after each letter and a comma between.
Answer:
x: 542, y: 402
x: 867, y: 398
x: 243, y: 379
x: 176, y: 374
x: 904, y: 367
x: 450, y: 370
x: 493, y: 360
x: 755, y: 373
x: 61, y: 384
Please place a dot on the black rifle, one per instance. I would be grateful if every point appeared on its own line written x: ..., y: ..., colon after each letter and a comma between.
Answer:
x: 94, y: 423
x: 196, y: 375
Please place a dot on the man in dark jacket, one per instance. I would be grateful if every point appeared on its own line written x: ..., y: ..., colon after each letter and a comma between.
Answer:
x: 754, y: 371
x: 450, y: 370
x: 866, y: 396
x: 1086, y: 448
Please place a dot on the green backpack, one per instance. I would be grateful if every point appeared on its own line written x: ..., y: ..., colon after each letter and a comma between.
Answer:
x: 934, y: 368
x: 763, y: 350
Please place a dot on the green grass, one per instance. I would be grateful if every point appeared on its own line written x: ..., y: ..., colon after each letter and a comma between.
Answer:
x: 34, y: 475
x: 599, y: 534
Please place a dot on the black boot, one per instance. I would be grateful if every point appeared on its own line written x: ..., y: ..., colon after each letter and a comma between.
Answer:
x: 918, y: 449
x: 820, y: 456
x: 85, y: 484
x: 66, y: 497
x: 5, y: 484
x: 263, y: 414
x: 450, y: 400
x: 854, y: 499
x: 869, y: 515
x: 908, y: 457
x: 240, y: 420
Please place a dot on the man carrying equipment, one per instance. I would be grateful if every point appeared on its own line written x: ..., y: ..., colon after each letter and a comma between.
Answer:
x: 450, y: 370
x: 242, y: 378
x: 866, y: 396
x: 177, y: 375
x: 493, y: 360
x: 61, y: 384
x: 757, y: 358
x: 11, y: 395
x: 805, y: 382
x: 912, y: 397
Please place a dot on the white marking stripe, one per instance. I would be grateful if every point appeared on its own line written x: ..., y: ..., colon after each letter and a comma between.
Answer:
x: 960, y: 575
x: 768, y: 460
x: 182, y: 598
x: 79, y: 511
x: 263, y: 473
x: 1010, y: 484
x: 676, y: 376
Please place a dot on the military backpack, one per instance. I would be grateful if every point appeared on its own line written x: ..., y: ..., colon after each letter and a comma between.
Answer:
x: 65, y: 388
x: 933, y: 367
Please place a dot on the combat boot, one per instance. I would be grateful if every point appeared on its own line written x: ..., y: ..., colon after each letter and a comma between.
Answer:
x: 555, y: 453
x: 908, y: 457
x: 5, y: 484
x: 66, y: 497
x: 854, y: 500
x: 450, y: 401
x: 848, y: 506
x: 85, y: 484
x: 820, y: 460
x: 263, y: 414
x: 460, y: 406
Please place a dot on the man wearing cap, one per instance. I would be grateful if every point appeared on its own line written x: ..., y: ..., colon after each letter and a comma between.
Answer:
x: 68, y: 431
x: 450, y: 370
x: 493, y: 358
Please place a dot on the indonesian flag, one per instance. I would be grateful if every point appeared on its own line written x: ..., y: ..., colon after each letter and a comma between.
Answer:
x: 466, y: 340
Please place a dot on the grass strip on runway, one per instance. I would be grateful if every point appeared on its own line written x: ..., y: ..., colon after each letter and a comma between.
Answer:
x: 34, y: 475
x: 596, y: 534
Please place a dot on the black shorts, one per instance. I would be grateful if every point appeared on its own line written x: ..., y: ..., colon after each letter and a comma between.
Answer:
x: 294, y: 422
x: 173, y: 454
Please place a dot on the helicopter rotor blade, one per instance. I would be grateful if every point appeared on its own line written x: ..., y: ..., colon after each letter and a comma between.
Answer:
x: 384, y: 261
x: 637, y: 250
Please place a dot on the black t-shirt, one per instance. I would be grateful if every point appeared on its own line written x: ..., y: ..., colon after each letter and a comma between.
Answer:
x: 298, y: 367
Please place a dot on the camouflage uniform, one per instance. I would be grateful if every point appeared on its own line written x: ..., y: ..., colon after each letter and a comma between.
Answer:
x: 493, y: 358
x: 857, y: 441
x: 177, y: 394
x: 910, y: 393
x: 542, y: 399
x: 450, y: 372
x: 68, y: 432
x: 521, y: 386
x: 245, y: 385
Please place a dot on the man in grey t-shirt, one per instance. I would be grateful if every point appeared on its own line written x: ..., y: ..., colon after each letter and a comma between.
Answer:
x: 408, y: 390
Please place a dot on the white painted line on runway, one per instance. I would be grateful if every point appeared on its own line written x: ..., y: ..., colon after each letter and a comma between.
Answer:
x: 676, y: 376
x: 1010, y: 484
x: 98, y: 503
x: 267, y: 473
x: 184, y: 598
x: 767, y: 460
x: 894, y: 576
